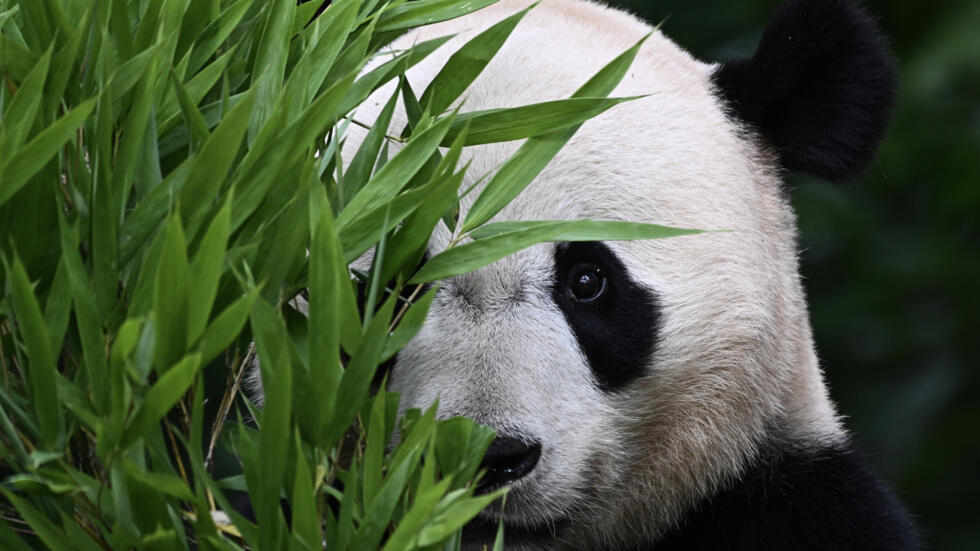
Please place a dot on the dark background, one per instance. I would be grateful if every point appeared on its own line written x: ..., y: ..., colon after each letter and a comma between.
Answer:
x: 891, y: 259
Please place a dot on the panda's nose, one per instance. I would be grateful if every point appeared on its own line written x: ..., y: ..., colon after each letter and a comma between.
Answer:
x: 507, y: 460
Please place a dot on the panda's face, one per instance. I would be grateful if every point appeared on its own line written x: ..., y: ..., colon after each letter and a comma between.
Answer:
x: 627, y: 380
x: 614, y: 364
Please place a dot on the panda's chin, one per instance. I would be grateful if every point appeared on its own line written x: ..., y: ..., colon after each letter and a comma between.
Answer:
x: 481, y: 532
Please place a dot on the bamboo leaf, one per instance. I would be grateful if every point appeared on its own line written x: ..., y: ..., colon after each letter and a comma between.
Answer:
x: 531, y: 158
x: 270, y: 66
x: 170, y: 295
x: 410, y: 324
x: 41, y: 370
x: 499, y: 240
x: 396, y: 172
x: 205, y: 273
x: 331, y: 308
x: 501, y: 125
x: 226, y: 327
x: 215, y: 33
x: 274, y: 360
x: 359, y: 170
x: 19, y: 116
x: 46, y: 531
x: 86, y: 313
x: 17, y: 169
x: 426, y: 12
x: 467, y: 63
x: 210, y: 170
x: 161, y: 398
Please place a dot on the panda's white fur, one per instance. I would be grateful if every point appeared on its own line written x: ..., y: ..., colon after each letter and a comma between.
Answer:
x: 735, y: 357
x: 734, y: 366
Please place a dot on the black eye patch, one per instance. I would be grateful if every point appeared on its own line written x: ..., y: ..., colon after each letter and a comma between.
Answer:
x: 614, y: 318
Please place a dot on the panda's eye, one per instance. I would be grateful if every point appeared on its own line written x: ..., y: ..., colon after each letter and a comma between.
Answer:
x: 585, y: 282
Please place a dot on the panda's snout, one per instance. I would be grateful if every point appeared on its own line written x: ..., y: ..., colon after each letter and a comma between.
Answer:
x: 508, y: 460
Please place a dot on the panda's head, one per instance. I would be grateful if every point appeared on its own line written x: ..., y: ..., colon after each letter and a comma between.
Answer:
x: 627, y: 380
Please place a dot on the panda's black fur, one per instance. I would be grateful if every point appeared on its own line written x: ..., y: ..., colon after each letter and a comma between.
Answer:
x: 819, y: 88
x: 799, y: 498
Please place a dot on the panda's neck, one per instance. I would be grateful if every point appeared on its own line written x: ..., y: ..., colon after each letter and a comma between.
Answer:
x: 796, y: 497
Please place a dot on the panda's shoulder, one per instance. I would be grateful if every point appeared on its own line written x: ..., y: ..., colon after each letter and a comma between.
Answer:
x: 800, y: 497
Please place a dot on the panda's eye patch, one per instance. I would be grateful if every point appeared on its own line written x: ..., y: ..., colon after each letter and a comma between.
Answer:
x: 614, y: 317
x: 586, y: 282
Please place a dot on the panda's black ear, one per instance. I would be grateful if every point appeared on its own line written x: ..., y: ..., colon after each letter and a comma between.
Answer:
x: 819, y: 88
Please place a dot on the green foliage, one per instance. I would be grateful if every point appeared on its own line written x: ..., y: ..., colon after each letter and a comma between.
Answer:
x: 171, y: 178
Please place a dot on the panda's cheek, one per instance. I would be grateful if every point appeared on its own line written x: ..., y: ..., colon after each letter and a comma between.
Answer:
x: 522, y: 372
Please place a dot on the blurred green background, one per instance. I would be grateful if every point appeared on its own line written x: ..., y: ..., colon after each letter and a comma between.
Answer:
x: 891, y: 261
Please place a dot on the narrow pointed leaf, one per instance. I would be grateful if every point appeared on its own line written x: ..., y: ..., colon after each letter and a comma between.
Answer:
x: 425, y: 12
x: 18, y: 117
x: 467, y: 63
x: 161, y: 397
x: 501, y: 125
x: 17, y: 170
x: 535, y: 154
x: 492, y: 245
x: 205, y: 273
x: 41, y: 371
x: 170, y: 294
x: 396, y: 172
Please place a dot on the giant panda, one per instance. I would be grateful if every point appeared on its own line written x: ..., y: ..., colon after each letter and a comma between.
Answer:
x: 660, y: 394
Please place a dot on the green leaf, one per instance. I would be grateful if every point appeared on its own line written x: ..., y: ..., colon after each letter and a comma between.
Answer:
x: 425, y: 12
x: 454, y: 517
x: 496, y: 241
x: 378, y: 514
x: 205, y: 273
x: 374, y: 450
x: 531, y: 158
x: 57, y: 309
x: 65, y: 60
x: 467, y: 63
x: 209, y: 171
x: 396, y: 172
x: 332, y: 28
x: 17, y: 169
x: 362, y: 233
x: 215, y: 33
x: 274, y: 361
x: 15, y: 58
x: 41, y: 370
x: 332, y: 309
x: 376, y: 77
x: 134, y: 132
x: 270, y: 65
x: 353, y: 391
x: 192, y: 115
x: 413, y: 521
x: 161, y: 398
x: 226, y: 326
x: 501, y: 125
x: 19, y: 116
x: 305, y: 521
x: 170, y: 296
x: 196, y: 89
x: 410, y: 324
x: 260, y: 169
x: 359, y: 170
x: 165, y: 484
x: 411, y: 241
x: 46, y: 531
x: 86, y: 314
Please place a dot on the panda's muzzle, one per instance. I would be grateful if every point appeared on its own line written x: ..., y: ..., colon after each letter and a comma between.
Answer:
x: 507, y: 460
